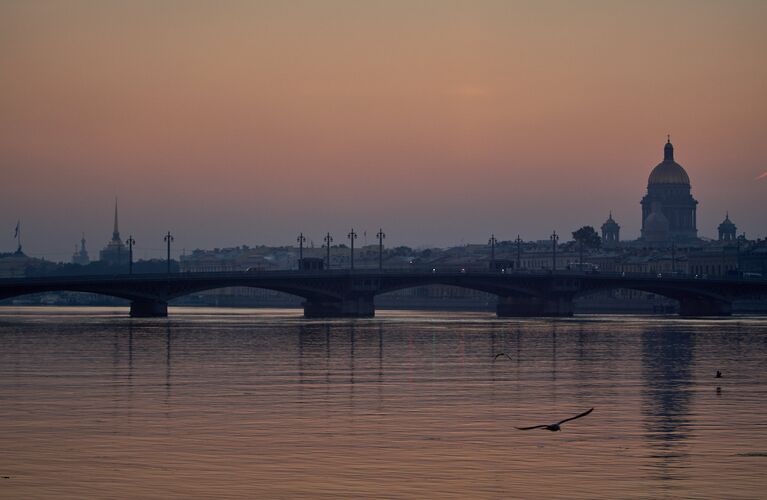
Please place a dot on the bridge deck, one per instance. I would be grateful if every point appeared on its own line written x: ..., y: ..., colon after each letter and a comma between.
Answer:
x: 350, y: 293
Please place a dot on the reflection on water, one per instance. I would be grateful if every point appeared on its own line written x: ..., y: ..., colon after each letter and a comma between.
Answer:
x: 667, y: 358
x: 407, y: 405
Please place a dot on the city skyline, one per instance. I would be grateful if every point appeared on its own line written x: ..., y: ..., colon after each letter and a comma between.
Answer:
x: 442, y: 123
x: 352, y: 248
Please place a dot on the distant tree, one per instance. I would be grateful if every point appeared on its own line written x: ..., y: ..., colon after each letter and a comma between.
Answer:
x: 586, y: 237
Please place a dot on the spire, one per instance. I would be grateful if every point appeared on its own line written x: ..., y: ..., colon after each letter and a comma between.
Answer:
x: 668, y: 150
x: 115, y: 231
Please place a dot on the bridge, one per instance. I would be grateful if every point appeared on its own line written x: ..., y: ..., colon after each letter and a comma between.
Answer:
x: 346, y: 293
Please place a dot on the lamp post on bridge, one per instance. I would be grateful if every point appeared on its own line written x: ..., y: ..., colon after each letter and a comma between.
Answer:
x: 380, y: 237
x: 130, y: 241
x: 168, y: 238
x: 554, y: 238
x: 300, y: 241
x: 352, y: 236
x: 492, y: 241
x: 673, y: 257
x: 738, y: 239
x: 328, y: 240
x: 519, y: 251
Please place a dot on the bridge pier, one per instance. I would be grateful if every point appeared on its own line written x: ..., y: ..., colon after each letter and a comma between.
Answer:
x: 696, y: 306
x: 525, y: 306
x: 148, y: 309
x: 358, y: 306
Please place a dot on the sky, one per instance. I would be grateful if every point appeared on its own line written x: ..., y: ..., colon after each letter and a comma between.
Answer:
x: 441, y: 122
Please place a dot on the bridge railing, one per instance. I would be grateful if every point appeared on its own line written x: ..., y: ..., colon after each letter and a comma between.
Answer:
x: 450, y: 270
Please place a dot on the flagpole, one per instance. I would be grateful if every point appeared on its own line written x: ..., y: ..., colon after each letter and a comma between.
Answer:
x: 18, y: 235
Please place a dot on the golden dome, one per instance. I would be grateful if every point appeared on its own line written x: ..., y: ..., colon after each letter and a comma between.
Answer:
x: 668, y: 171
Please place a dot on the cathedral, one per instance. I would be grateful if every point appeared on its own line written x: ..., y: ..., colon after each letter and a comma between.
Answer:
x: 668, y: 208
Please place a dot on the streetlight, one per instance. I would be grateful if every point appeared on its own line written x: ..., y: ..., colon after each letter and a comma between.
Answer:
x: 519, y: 252
x: 168, y: 238
x: 554, y: 238
x: 740, y: 238
x: 130, y: 241
x: 352, y: 236
x: 673, y: 257
x: 380, y: 237
x: 328, y: 241
x: 300, y: 241
x: 492, y: 241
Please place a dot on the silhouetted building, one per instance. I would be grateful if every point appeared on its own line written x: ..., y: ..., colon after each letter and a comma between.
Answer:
x: 115, y: 253
x: 668, y: 208
x: 311, y: 264
x: 610, y: 233
x: 81, y: 255
x: 754, y: 258
x: 727, y: 230
x: 713, y: 261
x: 14, y: 265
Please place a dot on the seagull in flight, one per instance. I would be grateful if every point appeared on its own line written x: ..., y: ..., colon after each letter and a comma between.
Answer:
x: 502, y: 354
x: 555, y: 427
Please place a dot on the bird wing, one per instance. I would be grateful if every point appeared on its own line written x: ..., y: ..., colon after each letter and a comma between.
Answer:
x: 533, y: 427
x: 577, y: 416
x: 501, y: 354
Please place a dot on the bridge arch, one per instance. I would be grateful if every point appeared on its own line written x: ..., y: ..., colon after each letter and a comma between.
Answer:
x: 692, y: 301
x: 75, y: 289
x: 478, y: 284
x: 77, y: 293
x: 296, y: 291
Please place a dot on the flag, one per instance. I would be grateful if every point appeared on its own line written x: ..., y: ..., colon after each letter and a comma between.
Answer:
x: 16, y: 232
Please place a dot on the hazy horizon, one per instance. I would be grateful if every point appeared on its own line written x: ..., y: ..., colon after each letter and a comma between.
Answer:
x: 441, y: 122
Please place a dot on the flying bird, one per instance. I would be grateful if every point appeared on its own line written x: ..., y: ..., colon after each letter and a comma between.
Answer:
x: 555, y: 427
x: 501, y: 354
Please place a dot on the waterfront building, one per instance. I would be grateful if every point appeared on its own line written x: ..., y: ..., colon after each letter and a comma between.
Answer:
x: 713, y: 261
x: 754, y: 259
x: 81, y: 254
x: 115, y: 253
x: 14, y: 265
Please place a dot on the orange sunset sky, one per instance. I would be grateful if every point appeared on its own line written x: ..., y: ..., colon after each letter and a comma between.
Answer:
x: 442, y: 122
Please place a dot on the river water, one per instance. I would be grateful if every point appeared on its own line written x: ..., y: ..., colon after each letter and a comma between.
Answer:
x: 214, y: 403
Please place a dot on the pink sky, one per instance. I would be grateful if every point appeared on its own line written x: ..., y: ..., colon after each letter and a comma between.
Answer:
x: 442, y: 122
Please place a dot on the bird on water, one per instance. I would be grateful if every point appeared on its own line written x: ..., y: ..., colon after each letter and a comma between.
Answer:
x: 501, y: 354
x: 718, y: 374
x: 555, y: 427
